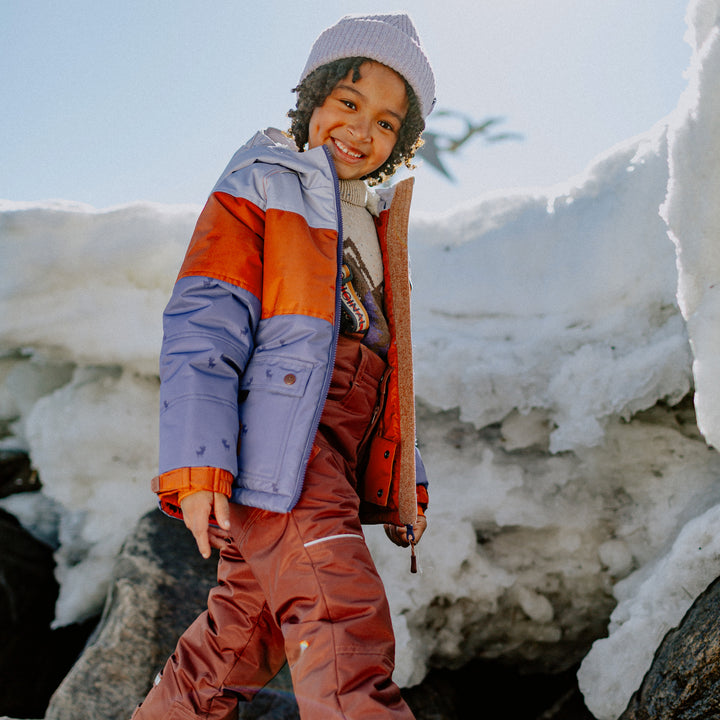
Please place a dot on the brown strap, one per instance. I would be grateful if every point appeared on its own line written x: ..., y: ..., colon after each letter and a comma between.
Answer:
x: 398, y: 270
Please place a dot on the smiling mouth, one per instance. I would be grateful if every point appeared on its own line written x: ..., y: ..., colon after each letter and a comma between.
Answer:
x: 346, y: 150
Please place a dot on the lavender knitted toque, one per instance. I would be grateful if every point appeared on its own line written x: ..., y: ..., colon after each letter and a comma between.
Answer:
x: 389, y: 39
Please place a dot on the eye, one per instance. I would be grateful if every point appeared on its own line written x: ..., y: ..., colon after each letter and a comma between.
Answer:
x: 385, y: 125
x: 349, y: 104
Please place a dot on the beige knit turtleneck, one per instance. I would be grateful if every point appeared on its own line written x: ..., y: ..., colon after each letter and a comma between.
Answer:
x: 362, y: 255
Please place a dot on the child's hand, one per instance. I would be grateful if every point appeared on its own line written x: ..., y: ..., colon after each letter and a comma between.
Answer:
x: 196, y: 513
x: 398, y: 533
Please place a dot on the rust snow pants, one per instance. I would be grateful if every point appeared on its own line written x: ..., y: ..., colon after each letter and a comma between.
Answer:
x: 298, y: 585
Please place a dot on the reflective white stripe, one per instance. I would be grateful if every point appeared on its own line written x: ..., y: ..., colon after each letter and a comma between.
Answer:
x: 332, y: 537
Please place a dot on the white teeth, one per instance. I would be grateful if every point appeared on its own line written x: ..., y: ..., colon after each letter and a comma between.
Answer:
x: 347, y: 150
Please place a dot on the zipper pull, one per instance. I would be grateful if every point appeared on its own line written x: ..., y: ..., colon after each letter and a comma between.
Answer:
x: 411, y: 540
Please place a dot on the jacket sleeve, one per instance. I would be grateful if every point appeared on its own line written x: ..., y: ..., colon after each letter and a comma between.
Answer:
x: 173, y: 486
x: 209, y: 325
x: 421, y: 484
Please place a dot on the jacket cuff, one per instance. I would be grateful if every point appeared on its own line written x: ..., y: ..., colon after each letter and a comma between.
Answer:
x: 184, y: 481
x: 423, y: 498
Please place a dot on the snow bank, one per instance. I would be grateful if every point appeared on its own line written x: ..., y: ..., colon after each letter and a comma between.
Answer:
x: 564, y: 301
x: 81, y: 302
x: 85, y: 285
x: 692, y: 210
x: 654, y: 600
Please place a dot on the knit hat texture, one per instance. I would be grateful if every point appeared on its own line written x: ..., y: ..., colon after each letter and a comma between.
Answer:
x: 389, y: 39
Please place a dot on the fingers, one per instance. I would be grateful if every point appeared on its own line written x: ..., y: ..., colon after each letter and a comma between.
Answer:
x: 222, y: 510
x: 419, y: 527
x: 219, y: 539
x: 200, y: 533
x: 196, y: 513
x: 398, y: 533
x: 202, y: 540
x: 197, y: 509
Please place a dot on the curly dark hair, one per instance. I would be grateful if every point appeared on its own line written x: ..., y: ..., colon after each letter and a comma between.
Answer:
x: 315, y: 88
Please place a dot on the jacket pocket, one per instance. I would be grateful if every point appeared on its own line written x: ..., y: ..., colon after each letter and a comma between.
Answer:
x: 375, y: 485
x: 277, y: 374
x: 273, y: 389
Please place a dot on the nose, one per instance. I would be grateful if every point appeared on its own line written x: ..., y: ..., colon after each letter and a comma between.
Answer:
x: 360, y: 129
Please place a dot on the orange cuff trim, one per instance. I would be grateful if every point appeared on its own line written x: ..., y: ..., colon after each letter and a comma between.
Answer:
x: 187, y: 480
x: 423, y: 499
x: 170, y: 505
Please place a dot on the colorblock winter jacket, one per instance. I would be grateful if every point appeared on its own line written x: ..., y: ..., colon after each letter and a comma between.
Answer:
x: 250, y: 334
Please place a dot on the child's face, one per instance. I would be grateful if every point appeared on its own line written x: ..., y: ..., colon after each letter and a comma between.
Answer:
x: 359, y: 121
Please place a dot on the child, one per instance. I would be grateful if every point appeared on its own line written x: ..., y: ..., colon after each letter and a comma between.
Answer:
x: 286, y: 389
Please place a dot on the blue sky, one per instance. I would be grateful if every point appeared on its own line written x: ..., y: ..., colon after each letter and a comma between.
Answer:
x: 113, y: 102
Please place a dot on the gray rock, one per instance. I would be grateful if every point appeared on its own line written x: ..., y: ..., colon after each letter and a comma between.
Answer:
x: 27, y: 586
x: 160, y: 584
x: 27, y: 598
x: 683, y: 682
x: 16, y: 474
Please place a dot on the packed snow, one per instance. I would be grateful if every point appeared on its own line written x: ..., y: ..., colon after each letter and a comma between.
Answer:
x: 654, y: 599
x: 558, y: 333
